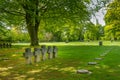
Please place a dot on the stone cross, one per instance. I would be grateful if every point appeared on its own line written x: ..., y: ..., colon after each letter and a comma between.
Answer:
x: 0, y: 45
x: 36, y: 53
x: 50, y: 51
x: 100, y: 43
x: 7, y: 45
x: 10, y: 45
x: 4, y: 45
x: 55, y: 50
x: 28, y: 55
x: 43, y: 51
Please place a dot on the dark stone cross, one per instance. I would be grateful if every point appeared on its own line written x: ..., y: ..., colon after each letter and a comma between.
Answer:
x: 100, y: 43
x: 3, y: 45
x: 0, y: 45
x: 9, y: 45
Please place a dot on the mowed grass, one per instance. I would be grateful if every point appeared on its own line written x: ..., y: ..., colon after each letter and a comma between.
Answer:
x: 72, y: 56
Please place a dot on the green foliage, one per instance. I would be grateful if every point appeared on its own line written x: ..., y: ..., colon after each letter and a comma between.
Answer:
x: 112, y: 19
x: 68, y: 31
x: 62, y: 19
x: 32, y: 12
x: 113, y: 12
x: 93, y: 32
x: 19, y: 35
x: 4, y: 33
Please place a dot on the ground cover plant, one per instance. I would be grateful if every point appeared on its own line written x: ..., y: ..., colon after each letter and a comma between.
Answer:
x: 72, y: 56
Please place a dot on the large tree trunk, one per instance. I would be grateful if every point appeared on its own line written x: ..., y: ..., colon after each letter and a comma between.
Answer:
x: 32, y: 27
x: 33, y: 36
x: 32, y: 21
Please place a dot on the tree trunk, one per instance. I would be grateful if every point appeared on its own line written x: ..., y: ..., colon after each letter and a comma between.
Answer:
x: 33, y: 36
x: 32, y: 21
x: 32, y: 27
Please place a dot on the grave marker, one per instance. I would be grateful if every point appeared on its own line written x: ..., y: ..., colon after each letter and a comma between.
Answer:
x: 100, y: 43
x: 3, y: 45
x: 43, y: 51
x: 28, y: 55
x: 92, y: 63
x: 55, y: 50
x: 49, y: 51
x: 98, y: 58
x: 10, y: 45
x: 37, y: 53
x: 83, y: 71
x: 0, y: 45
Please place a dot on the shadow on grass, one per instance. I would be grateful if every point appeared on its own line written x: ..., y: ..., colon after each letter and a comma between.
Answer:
x: 70, y: 59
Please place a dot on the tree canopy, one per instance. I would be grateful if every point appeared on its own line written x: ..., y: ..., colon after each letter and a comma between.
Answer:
x: 58, y: 20
x: 32, y: 12
x: 112, y: 19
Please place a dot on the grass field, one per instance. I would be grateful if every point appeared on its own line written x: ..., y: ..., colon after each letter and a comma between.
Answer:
x: 72, y: 56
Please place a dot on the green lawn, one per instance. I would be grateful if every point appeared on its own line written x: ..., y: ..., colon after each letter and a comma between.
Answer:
x: 71, y: 57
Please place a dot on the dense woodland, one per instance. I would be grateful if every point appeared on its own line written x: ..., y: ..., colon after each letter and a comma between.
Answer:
x: 58, y: 20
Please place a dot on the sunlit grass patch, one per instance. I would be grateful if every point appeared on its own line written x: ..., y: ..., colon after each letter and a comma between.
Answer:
x: 93, y: 43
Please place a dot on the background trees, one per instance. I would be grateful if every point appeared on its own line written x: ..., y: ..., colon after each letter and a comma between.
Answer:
x: 56, y: 20
x: 112, y: 19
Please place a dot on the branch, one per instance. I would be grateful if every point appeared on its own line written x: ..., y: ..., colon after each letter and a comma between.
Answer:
x: 13, y: 12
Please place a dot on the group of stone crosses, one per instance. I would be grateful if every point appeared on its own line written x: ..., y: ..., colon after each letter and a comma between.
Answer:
x: 5, y: 45
x: 40, y: 53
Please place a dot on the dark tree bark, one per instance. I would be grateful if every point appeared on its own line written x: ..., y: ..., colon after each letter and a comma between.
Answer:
x: 33, y: 31
x: 32, y: 21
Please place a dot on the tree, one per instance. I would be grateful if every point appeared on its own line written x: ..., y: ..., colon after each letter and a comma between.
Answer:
x: 112, y: 19
x: 33, y: 11
x: 4, y: 32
